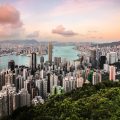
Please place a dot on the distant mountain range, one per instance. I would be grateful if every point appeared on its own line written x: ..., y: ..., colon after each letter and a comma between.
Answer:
x: 24, y: 42
x: 110, y: 44
x: 36, y: 42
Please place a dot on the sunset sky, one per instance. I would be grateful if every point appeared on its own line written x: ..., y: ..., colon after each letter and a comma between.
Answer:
x: 60, y: 20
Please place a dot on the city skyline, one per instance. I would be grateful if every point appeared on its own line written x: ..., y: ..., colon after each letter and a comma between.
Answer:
x: 60, y: 20
x: 34, y: 82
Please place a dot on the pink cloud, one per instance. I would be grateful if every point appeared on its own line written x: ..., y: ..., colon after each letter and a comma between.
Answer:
x: 10, y: 22
x: 10, y: 16
x: 62, y: 31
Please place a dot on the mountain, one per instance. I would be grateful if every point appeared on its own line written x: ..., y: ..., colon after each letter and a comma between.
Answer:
x: 110, y: 44
x: 34, y: 42
x: 20, y: 42
x: 99, y: 102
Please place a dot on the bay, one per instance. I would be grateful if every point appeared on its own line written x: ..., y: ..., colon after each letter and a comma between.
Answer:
x: 67, y: 52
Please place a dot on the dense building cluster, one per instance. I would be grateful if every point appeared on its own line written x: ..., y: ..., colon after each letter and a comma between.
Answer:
x: 21, y: 86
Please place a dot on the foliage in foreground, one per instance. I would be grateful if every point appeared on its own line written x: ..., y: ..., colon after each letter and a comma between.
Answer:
x: 99, y: 102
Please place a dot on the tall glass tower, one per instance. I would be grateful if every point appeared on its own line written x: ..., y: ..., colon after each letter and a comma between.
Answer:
x: 50, y: 47
x: 33, y: 62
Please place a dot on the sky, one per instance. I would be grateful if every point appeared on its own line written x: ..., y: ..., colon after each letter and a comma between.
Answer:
x: 60, y: 20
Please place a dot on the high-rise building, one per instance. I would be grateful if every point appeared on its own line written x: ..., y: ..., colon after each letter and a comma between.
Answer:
x: 24, y: 98
x: 33, y: 62
x: 41, y: 63
x: 57, y: 60
x: 77, y: 64
x: 53, y: 81
x: 34, y: 92
x: 42, y: 87
x: 2, y: 77
x: 41, y: 59
x: 39, y: 85
x: 1, y: 81
x: 19, y: 82
x: 106, y: 67
x: 25, y: 74
x: 102, y: 61
x: 50, y: 47
x: 11, y: 65
x: 80, y: 81
x: 6, y: 99
x: 42, y: 74
x: 9, y: 78
x: 48, y: 82
x: 45, y: 94
x: 16, y: 70
x: 93, y: 60
x: 96, y: 78
x: 112, y: 57
x: 69, y: 83
x: 112, y: 73
x: 1, y: 108
x: 16, y: 100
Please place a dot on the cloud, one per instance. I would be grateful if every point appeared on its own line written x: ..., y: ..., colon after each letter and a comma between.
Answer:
x: 62, y: 31
x: 10, y: 16
x: 35, y: 34
x: 10, y: 22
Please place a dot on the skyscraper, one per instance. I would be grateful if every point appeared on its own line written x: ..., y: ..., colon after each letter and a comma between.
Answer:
x: 41, y: 59
x: 24, y: 98
x: 50, y: 52
x: 41, y: 62
x: 96, y: 78
x: 19, y: 82
x: 11, y: 65
x: 57, y: 60
x: 93, y: 60
x: 25, y: 73
x: 69, y: 83
x: 112, y: 73
x: 39, y: 85
x: 102, y: 61
x: 112, y: 57
x: 33, y: 62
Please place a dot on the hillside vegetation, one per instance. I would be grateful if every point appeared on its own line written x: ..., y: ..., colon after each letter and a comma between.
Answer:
x: 99, y: 102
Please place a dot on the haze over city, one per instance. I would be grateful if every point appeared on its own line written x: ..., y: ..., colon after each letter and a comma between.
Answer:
x: 60, y: 20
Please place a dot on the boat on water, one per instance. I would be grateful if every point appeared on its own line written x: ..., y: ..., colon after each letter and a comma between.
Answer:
x: 23, y: 54
x: 17, y: 54
x: 13, y: 53
x: 28, y: 55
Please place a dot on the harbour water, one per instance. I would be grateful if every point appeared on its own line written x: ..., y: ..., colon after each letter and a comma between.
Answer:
x: 67, y: 52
